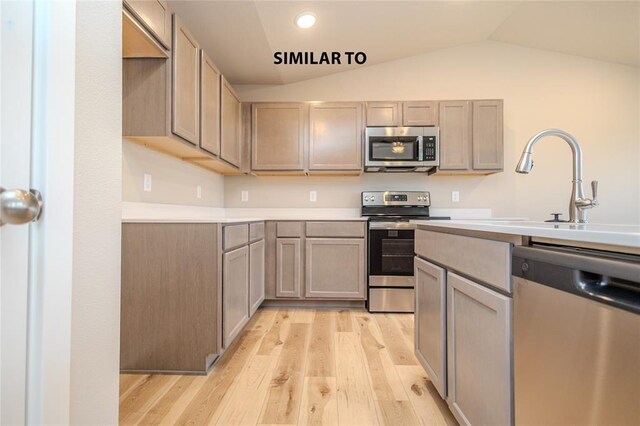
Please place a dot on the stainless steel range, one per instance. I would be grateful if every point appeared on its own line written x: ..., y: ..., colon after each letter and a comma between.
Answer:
x: 391, y: 236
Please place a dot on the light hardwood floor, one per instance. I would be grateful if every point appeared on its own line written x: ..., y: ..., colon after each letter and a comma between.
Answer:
x: 299, y: 366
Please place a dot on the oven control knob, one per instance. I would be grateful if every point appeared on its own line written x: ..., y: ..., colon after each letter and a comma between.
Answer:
x: 373, y: 198
x: 419, y: 197
x: 366, y: 198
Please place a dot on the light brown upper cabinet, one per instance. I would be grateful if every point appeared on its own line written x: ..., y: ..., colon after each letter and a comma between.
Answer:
x: 471, y: 137
x: 137, y: 40
x: 420, y: 113
x: 455, y: 135
x: 171, y: 102
x: 186, y: 84
x: 409, y: 113
x: 384, y: 114
x: 335, y: 137
x: 231, y: 125
x: 278, y: 137
x: 210, y: 105
x: 488, y: 128
x: 155, y: 16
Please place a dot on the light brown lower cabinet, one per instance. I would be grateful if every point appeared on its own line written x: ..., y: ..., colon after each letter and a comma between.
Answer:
x: 235, y: 293
x: 170, y: 300
x: 479, y: 353
x: 335, y: 268
x: 256, y: 276
x: 431, y: 322
x: 288, y: 267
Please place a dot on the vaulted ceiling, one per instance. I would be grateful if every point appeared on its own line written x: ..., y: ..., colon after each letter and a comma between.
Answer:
x: 241, y: 36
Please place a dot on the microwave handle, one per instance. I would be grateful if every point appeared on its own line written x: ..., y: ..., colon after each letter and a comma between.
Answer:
x: 420, y: 148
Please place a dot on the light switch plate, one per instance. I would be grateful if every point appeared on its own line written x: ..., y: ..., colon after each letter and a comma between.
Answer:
x: 199, y: 191
x: 455, y: 196
x: 147, y: 183
x: 244, y: 196
x: 313, y: 196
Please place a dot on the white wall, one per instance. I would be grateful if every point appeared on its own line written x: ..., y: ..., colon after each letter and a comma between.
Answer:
x: 596, y: 101
x: 173, y: 180
x: 95, y: 317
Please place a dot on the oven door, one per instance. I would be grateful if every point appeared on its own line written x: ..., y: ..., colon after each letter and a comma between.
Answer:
x: 391, y: 257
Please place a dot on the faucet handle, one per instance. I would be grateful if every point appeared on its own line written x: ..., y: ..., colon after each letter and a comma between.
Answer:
x: 594, y: 190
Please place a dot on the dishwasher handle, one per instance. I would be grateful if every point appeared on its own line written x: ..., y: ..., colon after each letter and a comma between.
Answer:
x: 607, y: 279
x: 614, y: 291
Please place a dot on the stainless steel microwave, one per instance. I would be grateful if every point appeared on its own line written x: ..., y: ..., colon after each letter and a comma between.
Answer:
x: 401, y: 149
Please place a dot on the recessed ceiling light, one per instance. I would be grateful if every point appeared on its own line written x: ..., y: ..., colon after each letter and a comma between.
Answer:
x: 305, y: 20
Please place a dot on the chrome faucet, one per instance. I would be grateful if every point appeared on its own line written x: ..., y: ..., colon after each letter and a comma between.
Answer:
x: 578, y: 205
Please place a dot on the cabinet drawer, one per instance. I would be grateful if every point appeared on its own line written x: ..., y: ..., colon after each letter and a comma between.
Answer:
x: 289, y: 229
x: 486, y: 260
x: 336, y: 229
x: 256, y: 231
x: 235, y: 236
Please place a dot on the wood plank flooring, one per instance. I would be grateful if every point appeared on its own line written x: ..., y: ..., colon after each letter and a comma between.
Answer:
x: 299, y: 366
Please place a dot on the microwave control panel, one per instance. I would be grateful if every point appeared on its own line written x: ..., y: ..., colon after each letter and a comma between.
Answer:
x: 429, y: 148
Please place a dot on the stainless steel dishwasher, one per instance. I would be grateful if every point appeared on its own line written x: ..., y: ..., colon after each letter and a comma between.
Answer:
x: 576, y: 337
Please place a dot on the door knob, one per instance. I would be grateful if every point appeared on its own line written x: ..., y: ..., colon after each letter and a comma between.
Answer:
x: 18, y: 206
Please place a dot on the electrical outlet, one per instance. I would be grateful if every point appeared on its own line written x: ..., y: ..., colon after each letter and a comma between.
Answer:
x: 147, y: 183
x: 244, y: 196
x: 313, y: 196
x: 199, y: 191
x: 455, y: 196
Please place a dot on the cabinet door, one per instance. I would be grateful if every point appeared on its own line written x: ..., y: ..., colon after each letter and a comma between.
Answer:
x: 335, y: 141
x: 155, y: 16
x: 185, y: 84
x: 278, y: 136
x: 210, y: 106
x: 479, y: 353
x: 256, y: 276
x: 231, y: 134
x: 488, y: 144
x: 335, y: 268
x: 420, y: 113
x: 384, y: 114
x: 235, y: 293
x: 431, y: 322
x: 288, y: 267
x: 455, y: 135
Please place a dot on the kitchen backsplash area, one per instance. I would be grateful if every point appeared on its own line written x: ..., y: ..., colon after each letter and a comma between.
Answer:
x: 173, y: 181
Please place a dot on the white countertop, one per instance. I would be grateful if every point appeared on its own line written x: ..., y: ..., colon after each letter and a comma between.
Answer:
x: 619, y: 235
x: 134, y: 212
x: 225, y: 220
x: 178, y: 219
x: 169, y: 213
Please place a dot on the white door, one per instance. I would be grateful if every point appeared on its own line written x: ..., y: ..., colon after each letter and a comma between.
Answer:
x: 15, y: 162
x: 36, y: 141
